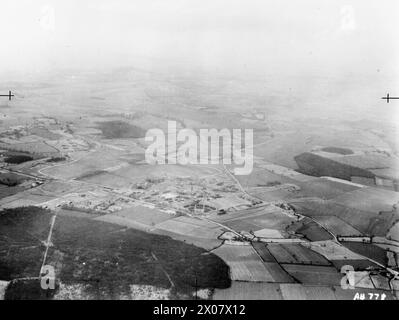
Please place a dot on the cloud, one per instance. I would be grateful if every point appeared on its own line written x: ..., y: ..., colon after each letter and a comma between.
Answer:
x: 47, y: 18
x: 348, y: 20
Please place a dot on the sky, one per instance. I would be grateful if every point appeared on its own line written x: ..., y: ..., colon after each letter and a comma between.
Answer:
x: 280, y: 36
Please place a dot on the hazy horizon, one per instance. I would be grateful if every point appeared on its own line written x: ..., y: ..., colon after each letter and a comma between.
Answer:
x: 234, y: 37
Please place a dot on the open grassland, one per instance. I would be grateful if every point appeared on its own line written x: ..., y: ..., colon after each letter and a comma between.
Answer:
x: 23, y: 199
x: 144, y: 215
x: 358, y: 265
x: 89, y: 162
x: 367, y: 221
x: 369, y: 199
x: 22, y: 233
x: 368, y: 250
x: 313, y: 275
x: 240, y: 290
x: 263, y: 251
x: 290, y: 291
x: 104, y: 258
x: 191, y: 226
x: 257, y: 219
x: 296, y: 253
x: 244, y: 263
x: 310, y: 230
x: 337, y: 226
x: 332, y: 250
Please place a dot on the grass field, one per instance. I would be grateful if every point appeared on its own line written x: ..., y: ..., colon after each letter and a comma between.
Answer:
x: 244, y: 263
x: 144, y: 215
x: 278, y: 273
x: 368, y: 222
x: 116, y: 129
x: 295, y: 253
x: 6, y: 191
x: 368, y: 250
x: 313, y: 275
x: 249, y: 291
x: 333, y: 251
x: 191, y: 227
x: 310, y: 230
x: 369, y: 199
x: 337, y: 226
x: 301, y: 292
x: 263, y: 252
x: 250, y: 221
x: 358, y: 265
x: 88, y: 162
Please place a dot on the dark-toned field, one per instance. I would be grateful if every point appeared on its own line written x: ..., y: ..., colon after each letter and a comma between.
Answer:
x: 17, y: 158
x: 104, y: 258
x: 119, y: 129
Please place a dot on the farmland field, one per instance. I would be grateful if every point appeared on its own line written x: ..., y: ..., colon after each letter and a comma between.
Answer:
x: 278, y: 273
x: 271, y: 220
x: 191, y: 227
x: 263, y: 252
x: 313, y: 275
x: 369, y: 199
x: 144, y: 215
x: 249, y: 291
x: 333, y: 251
x: 368, y: 250
x: 310, y: 229
x: 244, y: 263
x: 337, y: 226
x: 295, y: 253
x: 305, y: 292
x: 369, y: 222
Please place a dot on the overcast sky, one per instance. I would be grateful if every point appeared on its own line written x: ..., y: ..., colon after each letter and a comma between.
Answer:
x: 287, y: 36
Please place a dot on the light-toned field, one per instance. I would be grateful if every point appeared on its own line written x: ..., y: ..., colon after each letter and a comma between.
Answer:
x: 205, y: 243
x: 256, y: 219
x: 290, y: 291
x: 332, y: 251
x: 369, y: 222
x: 244, y: 263
x: 268, y: 233
x: 275, y: 220
x: 369, y: 199
x: 190, y: 228
x: 249, y: 291
x: 57, y: 187
x: 296, y: 291
x: 90, y: 162
x: 3, y: 287
x: 124, y: 222
x: 25, y: 198
x: 242, y: 214
x: 148, y: 171
x: 144, y: 215
x: 394, y: 232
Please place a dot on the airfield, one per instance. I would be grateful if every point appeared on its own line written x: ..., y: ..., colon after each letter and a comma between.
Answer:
x: 76, y: 193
